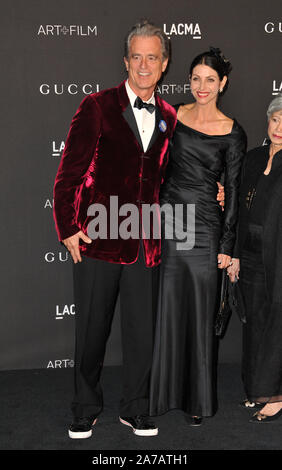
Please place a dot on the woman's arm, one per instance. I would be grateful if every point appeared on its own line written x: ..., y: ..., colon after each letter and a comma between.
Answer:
x: 233, y: 162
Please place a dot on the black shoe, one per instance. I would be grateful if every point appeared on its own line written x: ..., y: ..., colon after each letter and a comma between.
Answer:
x: 141, y: 425
x: 81, y: 428
x: 194, y: 420
x: 251, y: 405
x: 261, y: 418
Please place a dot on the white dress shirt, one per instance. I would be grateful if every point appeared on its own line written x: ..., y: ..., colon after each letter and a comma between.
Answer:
x: 144, y: 119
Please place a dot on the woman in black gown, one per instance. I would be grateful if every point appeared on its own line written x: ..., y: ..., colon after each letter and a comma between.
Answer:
x: 259, y: 248
x: 205, y: 143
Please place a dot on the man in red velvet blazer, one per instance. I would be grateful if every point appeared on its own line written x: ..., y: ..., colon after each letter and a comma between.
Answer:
x: 117, y: 146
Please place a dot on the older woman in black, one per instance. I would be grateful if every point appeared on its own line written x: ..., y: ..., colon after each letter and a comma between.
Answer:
x: 206, y: 142
x: 259, y: 248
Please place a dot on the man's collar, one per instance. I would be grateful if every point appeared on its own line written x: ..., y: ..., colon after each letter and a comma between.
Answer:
x: 132, y: 96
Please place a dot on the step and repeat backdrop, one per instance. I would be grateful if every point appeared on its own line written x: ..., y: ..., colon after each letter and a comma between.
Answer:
x: 55, y: 53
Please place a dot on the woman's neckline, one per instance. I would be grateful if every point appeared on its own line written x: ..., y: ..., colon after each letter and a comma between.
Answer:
x: 268, y: 148
x: 208, y: 135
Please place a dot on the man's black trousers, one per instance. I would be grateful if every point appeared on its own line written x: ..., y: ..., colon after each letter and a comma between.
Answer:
x: 96, y: 287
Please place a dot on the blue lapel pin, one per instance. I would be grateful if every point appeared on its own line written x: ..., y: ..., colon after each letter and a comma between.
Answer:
x: 162, y: 126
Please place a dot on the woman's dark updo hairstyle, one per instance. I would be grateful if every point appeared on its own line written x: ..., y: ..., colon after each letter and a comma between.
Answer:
x: 216, y: 60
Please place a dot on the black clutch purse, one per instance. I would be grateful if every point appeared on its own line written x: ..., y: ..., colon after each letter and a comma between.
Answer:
x: 224, y: 312
x: 231, y: 300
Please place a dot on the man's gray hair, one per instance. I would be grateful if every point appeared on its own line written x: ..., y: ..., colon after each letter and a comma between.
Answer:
x: 145, y: 28
x: 275, y: 106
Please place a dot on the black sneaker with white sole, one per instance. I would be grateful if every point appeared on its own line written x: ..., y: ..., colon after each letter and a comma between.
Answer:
x: 81, y: 428
x: 141, y: 425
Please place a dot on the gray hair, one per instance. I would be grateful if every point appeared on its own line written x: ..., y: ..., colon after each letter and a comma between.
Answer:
x: 145, y: 28
x: 275, y: 106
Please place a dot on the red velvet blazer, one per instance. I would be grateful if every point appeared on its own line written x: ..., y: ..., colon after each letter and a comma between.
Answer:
x: 103, y: 156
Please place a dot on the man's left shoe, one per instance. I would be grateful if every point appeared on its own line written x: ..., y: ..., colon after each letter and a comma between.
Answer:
x: 81, y: 427
x: 141, y: 425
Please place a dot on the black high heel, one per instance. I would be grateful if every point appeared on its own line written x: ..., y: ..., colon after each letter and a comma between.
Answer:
x: 261, y: 418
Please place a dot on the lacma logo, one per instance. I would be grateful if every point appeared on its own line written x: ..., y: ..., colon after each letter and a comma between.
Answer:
x: 276, y: 88
x: 57, y: 148
x: 64, y: 311
x: 183, y: 29
x: 71, y: 30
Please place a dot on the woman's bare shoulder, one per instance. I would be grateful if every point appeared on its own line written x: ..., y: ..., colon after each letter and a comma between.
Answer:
x: 184, y: 108
x: 226, y: 123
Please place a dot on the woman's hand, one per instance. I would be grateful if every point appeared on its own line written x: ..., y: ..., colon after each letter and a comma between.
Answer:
x: 220, y: 195
x: 234, y: 269
x: 223, y: 261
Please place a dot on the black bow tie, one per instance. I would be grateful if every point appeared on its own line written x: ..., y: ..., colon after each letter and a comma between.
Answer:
x: 140, y: 104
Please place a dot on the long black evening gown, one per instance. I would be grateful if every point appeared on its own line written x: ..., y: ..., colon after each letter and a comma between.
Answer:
x: 183, y: 370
